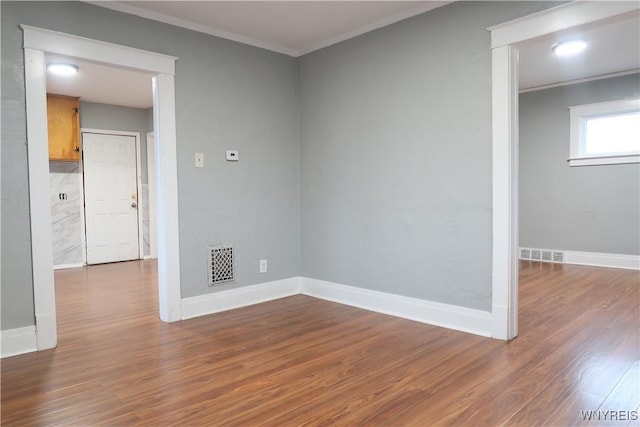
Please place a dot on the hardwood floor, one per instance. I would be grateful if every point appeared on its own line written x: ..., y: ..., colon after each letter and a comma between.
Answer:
x: 304, y: 361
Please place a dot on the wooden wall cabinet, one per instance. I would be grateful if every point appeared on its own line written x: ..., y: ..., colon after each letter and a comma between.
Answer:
x: 63, y: 118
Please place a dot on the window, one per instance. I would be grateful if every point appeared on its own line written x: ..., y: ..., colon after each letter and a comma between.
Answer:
x: 605, y: 133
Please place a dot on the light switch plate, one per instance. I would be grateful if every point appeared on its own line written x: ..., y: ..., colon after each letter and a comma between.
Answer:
x: 232, y: 155
x: 199, y: 159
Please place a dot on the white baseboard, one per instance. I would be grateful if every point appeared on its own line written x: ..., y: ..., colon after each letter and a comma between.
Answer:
x: 448, y: 316
x: 18, y: 341
x: 240, y: 297
x: 65, y: 266
x: 630, y: 262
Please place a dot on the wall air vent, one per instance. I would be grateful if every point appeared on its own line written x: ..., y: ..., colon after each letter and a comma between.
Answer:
x: 558, y: 257
x: 220, y: 264
x: 544, y: 255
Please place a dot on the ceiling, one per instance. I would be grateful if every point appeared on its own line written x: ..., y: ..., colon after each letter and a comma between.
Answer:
x: 290, y: 27
x: 614, y: 47
x: 298, y: 27
x: 105, y: 85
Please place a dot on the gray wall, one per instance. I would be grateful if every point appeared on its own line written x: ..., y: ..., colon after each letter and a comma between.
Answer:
x: 396, y: 156
x: 114, y: 117
x: 588, y: 208
x: 228, y: 96
x: 16, y: 282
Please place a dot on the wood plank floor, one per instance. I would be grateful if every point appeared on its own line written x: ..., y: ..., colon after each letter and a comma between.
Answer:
x: 304, y: 361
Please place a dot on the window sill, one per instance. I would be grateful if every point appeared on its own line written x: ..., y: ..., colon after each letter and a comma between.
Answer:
x: 604, y: 160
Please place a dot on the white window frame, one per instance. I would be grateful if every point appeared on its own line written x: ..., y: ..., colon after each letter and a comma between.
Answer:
x: 579, y: 116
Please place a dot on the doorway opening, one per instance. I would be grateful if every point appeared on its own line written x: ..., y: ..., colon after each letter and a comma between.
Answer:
x: 505, y: 38
x: 38, y: 43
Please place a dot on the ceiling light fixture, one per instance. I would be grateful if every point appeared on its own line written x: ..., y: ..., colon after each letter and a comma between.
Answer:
x: 63, y: 69
x: 569, y: 48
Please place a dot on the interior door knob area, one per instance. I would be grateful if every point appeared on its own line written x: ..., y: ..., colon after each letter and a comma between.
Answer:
x: 134, y: 205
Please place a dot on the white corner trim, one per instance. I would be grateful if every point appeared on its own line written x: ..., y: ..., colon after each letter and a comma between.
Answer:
x: 239, y: 297
x: 241, y: 38
x: 630, y: 262
x: 422, y: 8
x: 166, y: 192
x: 504, y: 188
x: 448, y: 316
x: 18, y: 341
x: 66, y: 266
x: 205, y: 29
x: 44, y: 297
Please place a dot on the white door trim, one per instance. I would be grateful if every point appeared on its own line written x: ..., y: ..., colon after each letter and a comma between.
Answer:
x: 37, y: 43
x: 151, y: 185
x: 83, y: 225
x: 136, y: 136
x: 504, y: 37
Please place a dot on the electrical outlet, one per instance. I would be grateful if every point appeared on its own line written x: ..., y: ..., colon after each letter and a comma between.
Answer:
x: 263, y: 266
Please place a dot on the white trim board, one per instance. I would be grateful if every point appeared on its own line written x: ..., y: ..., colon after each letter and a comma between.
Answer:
x: 66, y: 266
x: 18, y: 341
x: 421, y: 7
x: 596, y: 259
x: 557, y: 19
x: 582, y: 80
x: 433, y: 313
x: 216, y: 302
x: 97, y: 50
x: 151, y: 193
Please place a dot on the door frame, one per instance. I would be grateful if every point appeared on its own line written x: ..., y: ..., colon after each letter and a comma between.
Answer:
x: 151, y: 190
x: 504, y: 53
x: 37, y: 43
x: 136, y: 136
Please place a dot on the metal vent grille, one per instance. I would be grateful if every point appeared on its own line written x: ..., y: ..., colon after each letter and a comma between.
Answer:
x: 220, y: 264
x: 544, y: 255
x: 558, y: 257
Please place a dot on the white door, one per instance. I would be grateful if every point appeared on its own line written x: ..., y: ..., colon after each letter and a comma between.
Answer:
x: 111, y: 197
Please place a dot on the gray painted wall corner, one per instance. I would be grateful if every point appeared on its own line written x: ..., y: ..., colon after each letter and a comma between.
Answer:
x: 396, y: 156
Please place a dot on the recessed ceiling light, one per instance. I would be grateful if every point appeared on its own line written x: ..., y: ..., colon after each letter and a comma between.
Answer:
x: 63, y: 69
x: 569, y: 48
